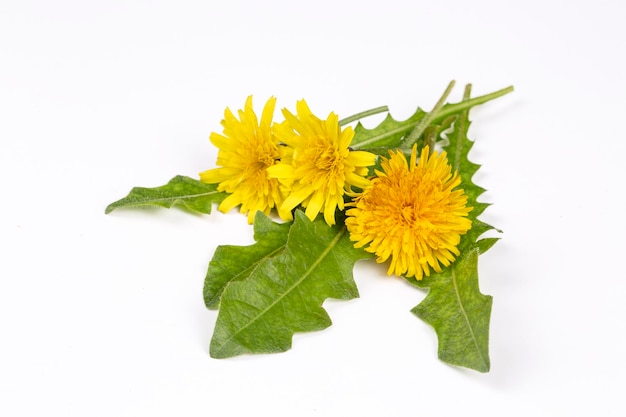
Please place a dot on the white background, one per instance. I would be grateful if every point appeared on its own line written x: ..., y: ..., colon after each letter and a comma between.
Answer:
x: 102, y: 315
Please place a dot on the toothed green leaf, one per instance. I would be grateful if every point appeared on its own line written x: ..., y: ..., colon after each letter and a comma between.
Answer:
x: 183, y: 191
x: 284, y: 294
x: 236, y: 263
x: 459, y: 313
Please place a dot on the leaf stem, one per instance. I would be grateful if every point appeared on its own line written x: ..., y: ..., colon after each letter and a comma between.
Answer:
x: 466, y: 104
x: 440, y: 112
x: 423, y: 124
x: 462, y: 127
x: 430, y: 137
x: 467, y: 92
x: 363, y: 114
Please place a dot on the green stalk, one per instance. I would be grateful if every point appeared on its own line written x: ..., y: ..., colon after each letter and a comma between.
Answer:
x: 363, y: 114
x: 423, y: 124
x: 466, y: 104
x: 462, y: 127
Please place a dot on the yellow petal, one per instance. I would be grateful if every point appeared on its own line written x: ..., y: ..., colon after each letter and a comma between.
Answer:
x: 362, y: 158
x: 216, y: 175
x: 315, y: 205
x: 296, y: 198
x: 229, y: 203
x: 280, y: 171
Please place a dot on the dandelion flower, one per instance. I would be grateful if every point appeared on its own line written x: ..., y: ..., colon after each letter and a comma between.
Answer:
x: 414, y: 214
x: 322, y: 168
x: 247, y: 148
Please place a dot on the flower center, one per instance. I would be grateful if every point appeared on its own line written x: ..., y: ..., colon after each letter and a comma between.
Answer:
x: 265, y: 160
x: 408, y: 214
x: 327, y: 158
x: 321, y: 163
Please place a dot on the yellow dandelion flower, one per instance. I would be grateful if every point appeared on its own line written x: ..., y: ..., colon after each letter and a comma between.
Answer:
x: 322, y: 168
x: 247, y: 148
x: 414, y: 214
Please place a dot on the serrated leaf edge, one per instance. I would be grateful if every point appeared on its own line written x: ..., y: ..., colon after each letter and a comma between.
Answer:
x: 308, y: 272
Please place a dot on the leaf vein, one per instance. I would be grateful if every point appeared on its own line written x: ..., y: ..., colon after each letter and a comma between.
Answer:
x: 465, y: 316
x: 388, y: 133
x: 294, y: 286
x: 251, y: 267
x: 185, y: 197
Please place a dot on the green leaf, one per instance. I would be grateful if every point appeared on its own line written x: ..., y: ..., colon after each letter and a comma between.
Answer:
x: 458, y: 148
x: 284, y: 294
x: 235, y: 263
x: 387, y: 135
x: 459, y: 313
x: 187, y: 192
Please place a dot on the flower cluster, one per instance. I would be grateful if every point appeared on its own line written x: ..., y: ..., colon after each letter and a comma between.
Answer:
x: 302, y: 161
x: 412, y: 211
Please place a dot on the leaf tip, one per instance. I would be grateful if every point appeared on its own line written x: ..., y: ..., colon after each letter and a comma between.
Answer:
x: 109, y: 208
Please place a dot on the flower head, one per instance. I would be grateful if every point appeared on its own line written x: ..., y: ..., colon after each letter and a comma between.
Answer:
x: 247, y: 148
x: 322, y: 168
x: 411, y: 213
